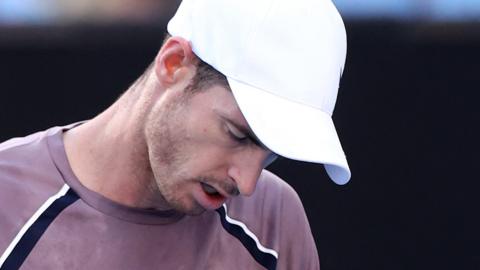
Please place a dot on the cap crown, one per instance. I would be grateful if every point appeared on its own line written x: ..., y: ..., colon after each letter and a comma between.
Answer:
x: 292, y: 49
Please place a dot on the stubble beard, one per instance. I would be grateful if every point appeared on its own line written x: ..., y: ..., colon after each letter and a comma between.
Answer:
x: 163, y: 132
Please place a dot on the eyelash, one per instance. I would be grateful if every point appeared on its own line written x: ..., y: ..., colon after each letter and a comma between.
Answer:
x: 235, y: 138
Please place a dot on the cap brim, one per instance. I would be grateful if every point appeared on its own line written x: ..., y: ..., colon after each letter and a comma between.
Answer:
x: 292, y: 130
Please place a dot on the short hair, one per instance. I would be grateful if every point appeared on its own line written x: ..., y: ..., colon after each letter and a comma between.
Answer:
x: 205, y: 76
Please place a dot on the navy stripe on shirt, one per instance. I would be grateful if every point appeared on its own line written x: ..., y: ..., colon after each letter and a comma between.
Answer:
x: 265, y: 259
x: 35, y: 231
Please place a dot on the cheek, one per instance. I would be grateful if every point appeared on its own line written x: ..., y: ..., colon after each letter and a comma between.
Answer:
x: 211, y: 161
x: 204, y: 152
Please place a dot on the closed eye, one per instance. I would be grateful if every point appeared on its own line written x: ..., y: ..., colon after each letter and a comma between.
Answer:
x: 239, y: 133
x: 235, y: 133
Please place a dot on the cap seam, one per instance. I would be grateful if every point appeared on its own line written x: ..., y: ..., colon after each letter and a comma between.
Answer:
x: 255, y: 30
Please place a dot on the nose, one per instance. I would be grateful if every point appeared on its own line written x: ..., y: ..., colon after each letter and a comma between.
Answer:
x: 246, y: 168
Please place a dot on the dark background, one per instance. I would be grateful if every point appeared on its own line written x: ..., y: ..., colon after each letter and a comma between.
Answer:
x: 407, y: 116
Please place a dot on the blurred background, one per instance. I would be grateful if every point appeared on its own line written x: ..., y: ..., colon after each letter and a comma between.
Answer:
x: 406, y: 113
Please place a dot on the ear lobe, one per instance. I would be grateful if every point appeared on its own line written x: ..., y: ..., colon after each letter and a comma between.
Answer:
x: 174, y: 57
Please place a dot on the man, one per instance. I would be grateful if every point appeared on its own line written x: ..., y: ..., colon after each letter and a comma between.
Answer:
x: 171, y: 175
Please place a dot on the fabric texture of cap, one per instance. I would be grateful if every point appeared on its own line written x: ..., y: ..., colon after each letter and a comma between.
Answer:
x: 283, y: 61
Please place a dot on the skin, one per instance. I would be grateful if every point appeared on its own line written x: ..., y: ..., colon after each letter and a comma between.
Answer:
x: 157, y: 144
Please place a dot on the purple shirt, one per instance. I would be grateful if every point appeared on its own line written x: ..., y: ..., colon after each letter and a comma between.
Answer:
x: 49, y: 220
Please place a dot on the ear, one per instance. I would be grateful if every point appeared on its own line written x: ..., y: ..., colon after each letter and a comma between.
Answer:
x: 175, y: 61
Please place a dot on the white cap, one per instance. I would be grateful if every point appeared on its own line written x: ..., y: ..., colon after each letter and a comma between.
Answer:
x: 283, y: 60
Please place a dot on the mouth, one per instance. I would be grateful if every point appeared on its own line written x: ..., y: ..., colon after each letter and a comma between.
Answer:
x: 211, y: 191
x: 210, y: 197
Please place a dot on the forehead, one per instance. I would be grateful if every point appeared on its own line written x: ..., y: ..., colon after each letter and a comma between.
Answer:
x: 221, y: 102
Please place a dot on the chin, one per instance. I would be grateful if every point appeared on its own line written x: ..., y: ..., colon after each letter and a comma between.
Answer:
x: 195, y: 212
x: 190, y: 209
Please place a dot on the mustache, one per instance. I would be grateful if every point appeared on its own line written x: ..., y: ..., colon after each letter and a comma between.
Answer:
x: 226, y: 185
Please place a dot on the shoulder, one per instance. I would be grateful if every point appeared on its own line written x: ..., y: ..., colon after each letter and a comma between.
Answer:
x: 271, y: 193
x: 30, y: 143
x: 271, y: 183
x: 27, y: 160
x: 270, y: 207
x: 15, y: 143
x: 275, y: 214
x: 26, y: 152
x: 280, y: 201
x: 22, y: 151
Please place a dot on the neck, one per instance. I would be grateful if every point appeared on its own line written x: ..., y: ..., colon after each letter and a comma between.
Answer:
x: 108, y: 154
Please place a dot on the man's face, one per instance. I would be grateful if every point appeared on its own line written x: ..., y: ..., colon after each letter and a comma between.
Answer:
x: 201, y: 150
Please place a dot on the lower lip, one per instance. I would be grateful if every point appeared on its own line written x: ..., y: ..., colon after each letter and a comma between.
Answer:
x: 209, y: 202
